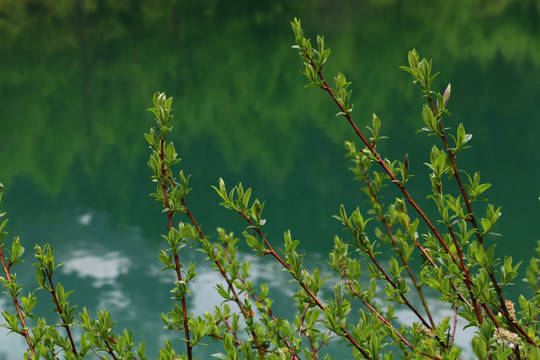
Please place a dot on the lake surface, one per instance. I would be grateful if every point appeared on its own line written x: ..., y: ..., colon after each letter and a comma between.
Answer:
x: 78, y: 76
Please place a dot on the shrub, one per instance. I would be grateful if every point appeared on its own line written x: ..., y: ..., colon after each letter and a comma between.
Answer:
x: 453, y: 260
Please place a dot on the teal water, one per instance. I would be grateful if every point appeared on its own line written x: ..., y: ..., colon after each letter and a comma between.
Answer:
x: 77, y: 77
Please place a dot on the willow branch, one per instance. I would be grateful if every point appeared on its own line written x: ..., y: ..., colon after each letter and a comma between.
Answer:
x: 229, y: 282
x: 311, y: 295
x: 404, y: 261
x: 170, y: 214
x: 24, y: 331
x: 60, y: 312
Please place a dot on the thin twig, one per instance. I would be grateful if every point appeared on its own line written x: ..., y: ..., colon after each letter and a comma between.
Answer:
x: 110, y: 350
x: 381, y: 162
x: 404, y: 261
x: 24, y: 331
x: 229, y: 282
x: 371, y: 308
x: 392, y: 283
x: 60, y: 312
x: 312, y: 296
x: 455, y: 325
x: 95, y: 352
x: 170, y: 214
x: 472, y: 219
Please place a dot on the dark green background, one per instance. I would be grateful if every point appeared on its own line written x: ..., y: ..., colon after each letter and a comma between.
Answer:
x: 77, y: 76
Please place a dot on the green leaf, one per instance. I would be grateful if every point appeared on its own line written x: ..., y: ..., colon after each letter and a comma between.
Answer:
x: 434, y: 284
x: 166, y: 259
x: 374, y: 345
x: 479, y: 348
x: 413, y: 59
x: 12, y: 322
x: 429, y: 119
x: 534, y: 352
x: 481, y: 257
x: 3, y: 223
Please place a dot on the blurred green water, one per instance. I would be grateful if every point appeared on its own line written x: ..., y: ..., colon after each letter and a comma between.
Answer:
x: 77, y: 77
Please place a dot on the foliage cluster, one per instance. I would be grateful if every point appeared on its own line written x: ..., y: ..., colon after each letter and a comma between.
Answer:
x: 458, y: 262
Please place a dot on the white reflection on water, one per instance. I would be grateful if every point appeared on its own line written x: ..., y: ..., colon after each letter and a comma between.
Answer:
x: 204, y: 297
x: 116, y: 299
x: 11, y: 346
x: 103, y: 267
x: 85, y: 219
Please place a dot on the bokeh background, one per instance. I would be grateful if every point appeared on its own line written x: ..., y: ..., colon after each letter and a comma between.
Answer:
x: 76, y: 77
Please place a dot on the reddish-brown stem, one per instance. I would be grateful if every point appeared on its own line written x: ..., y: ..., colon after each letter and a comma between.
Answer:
x: 192, y: 219
x: 99, y: 356
x: 272, y: 252
x: 466, y: 274
x: 238, y: 342
x: 60, y: 312
x: 293, y: 351
x: 226, y: 277
x: 371, y: 308
x: 454, y: 326
x: 393, y: 284
x: 490, y: 315
x: 456, y: 172
x: 24, y: 331
x: 215, y: 336
x: 410, y: 200
x: 404, y: 261
x: 377, y: 156
x: 184, y: 306
x: 266, y: 310
x: 110, y: 350
x: 430, y: 356
x: 312, y: 296
x: 472, y: 219
x: 315, y: 350
x: 116, y: 343
x: 349, y: 337
x: 170, y: 214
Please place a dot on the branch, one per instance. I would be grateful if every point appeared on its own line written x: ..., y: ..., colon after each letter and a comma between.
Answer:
x: 229, y: 282
x: 60, y: 312
x: 170, y: 214
x: 24, y: 331
x: 371, y: 308
x: 404, y: 261
x: 312, y: 296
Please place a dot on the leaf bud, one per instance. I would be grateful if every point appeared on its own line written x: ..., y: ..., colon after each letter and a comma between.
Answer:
x: 406, y: 162
x: 446, y: 95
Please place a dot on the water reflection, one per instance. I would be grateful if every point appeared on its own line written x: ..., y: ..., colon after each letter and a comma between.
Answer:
x: 103, y: 267
x: 11, y: 346
x: 104, y: 76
